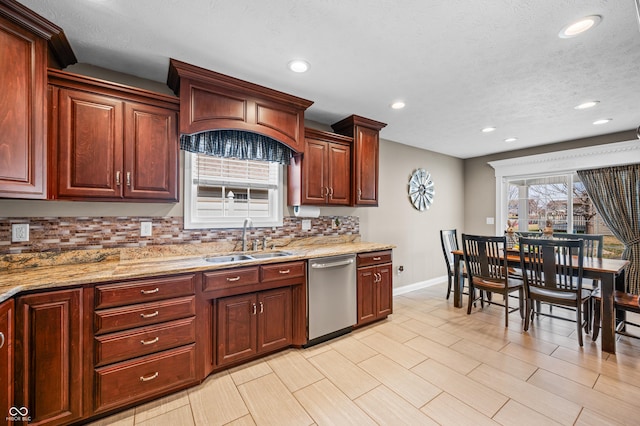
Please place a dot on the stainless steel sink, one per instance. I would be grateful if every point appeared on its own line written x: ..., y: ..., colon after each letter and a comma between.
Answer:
x: 228, y: 258
x: 270, y: 254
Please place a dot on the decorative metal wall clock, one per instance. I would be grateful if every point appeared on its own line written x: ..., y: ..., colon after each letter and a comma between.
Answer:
x: 421, y: 189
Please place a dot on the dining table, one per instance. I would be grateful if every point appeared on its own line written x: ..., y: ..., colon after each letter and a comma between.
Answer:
x: 609, y: 272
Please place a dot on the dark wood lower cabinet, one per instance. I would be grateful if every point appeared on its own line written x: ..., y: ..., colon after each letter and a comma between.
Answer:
x: 375, y: 287
x: 6, y: 356
x: 49, y: 356
x: 251, y: 324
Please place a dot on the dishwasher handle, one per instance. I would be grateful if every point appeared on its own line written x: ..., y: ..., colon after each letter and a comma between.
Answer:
x: 332, y: 264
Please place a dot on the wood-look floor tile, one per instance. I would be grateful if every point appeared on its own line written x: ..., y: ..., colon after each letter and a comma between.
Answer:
x: 216, y: 401
x: 160, y: 406
x: 398, y: 352
x: 250, y: 371
x: 431, y: 332
x: 347, y: 376
x: 270, y: 403
x: 481, y: 397
x: 449, y: 411
x: 181, y: 416
x: 396, y: 332
x: 589, y: 418
x: 499, y: 360
x: 467, y: 330
x: 596, y: 401
x: 405, y: 383
x: 316, y: 349
x: 555, y: 365
x: 125, y: 418
x: 317, y: 397
x: 388, y: 408
x: 617, y: 389
x: 294, y: 370
x: 551, y: 404
x: 514, y: 413
x: 426, y: 318
x: 242, y: 421
x: 444, y: 355
x: 353, y: 349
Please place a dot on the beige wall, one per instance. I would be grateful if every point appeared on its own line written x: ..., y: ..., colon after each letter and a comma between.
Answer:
x: 480, y: 182
x: 395, y: 221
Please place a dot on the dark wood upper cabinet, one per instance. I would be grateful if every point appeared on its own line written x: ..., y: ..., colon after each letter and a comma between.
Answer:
x: 213, y: 101
x: 111, y: 142
x: 364, y: 157
x: 323, y: 175
x: 27, y: 43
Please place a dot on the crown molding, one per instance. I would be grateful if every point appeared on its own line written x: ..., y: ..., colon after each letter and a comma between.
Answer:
x: 613, y: 154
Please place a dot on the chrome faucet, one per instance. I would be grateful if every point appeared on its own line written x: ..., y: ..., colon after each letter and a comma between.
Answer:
x: 247, y: 222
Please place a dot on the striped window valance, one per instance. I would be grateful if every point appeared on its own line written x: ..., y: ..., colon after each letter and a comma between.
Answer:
x: 237, y: 144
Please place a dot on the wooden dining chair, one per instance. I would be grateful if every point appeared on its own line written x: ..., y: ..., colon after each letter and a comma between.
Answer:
x: 449, y: 241
x: 486, y: 263
x: 622, y: 301
x: 553, y: 275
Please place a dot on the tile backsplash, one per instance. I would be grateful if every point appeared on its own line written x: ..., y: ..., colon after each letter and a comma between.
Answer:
x: 58, y: 234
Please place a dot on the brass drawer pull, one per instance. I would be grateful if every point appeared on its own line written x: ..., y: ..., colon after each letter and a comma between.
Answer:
x: 150, y: 342
x: 286, y: 271
x: 155, y: 314
x: 151, y: 377
x: 155, y: 290
x: 377, y: 258
x: 234, y: 278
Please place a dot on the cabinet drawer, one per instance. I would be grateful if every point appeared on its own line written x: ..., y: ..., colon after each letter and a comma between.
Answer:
x: 116, y: 319
x: 130, y: 344
x: 127, y: 382
x: 230, y: 278
x: 282, y: 271
x: 140, y: 291
x: 374, y: 258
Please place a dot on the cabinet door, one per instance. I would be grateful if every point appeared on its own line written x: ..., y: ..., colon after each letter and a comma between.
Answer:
x: 274, y: 319
x: 6, y: 356
x: 236, y: 327
x: 339, y: 174
x: 366, y: 146
x: 23, y: 78
x: 366, y: 295
x: 384, y: 291
x: 151, y: 153
x: 314, y: 173
x: 89, y: 146
x: 49, y: 351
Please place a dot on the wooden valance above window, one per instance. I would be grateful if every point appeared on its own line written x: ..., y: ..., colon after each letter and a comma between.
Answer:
x: 213, y: 101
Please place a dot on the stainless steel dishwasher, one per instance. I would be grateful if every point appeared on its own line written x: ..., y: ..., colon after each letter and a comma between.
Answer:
x: 331, y: 297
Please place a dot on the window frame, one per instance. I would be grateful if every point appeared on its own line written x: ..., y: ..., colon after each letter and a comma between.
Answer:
x: 191, y: 221
x: 555, y: 163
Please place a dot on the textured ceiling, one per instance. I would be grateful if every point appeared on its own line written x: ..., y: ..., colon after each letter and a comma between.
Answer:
x: 459, y: 65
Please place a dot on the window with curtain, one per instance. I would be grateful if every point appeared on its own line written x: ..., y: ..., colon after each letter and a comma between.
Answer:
x: 222, y: 192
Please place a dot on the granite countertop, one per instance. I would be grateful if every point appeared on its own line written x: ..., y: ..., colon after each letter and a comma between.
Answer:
x: 26, y: 273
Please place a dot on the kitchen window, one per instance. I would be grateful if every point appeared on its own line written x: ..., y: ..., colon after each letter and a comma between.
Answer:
x: 222, y: 192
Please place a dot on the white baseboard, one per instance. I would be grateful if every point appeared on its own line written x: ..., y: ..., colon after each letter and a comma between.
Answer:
x: 419, y: 285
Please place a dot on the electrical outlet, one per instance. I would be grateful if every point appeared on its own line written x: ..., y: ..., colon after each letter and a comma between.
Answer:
x: 306, y: 224
x: 19, y: 232
x: 400, y: 270
x: 145, y: 229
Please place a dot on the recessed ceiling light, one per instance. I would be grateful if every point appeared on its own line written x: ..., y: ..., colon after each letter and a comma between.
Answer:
x: 488, y: 129
x: 298, y: 65
x: 510, y: 139
x: 602, y: 121
x: 585, y: 105
x: 580, y: 26
x: 398, y: 105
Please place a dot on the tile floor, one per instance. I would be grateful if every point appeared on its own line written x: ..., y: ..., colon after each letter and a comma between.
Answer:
x: 429, y: 363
